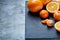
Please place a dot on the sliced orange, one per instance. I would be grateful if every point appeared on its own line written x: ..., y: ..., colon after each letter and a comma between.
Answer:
x: 58, y: 1
x: 52, y: 7
x: 57, y: 26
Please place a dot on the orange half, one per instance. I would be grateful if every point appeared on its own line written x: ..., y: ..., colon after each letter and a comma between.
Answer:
x: 52, y: 7
x: 58, y: 1
x: 57, y: 26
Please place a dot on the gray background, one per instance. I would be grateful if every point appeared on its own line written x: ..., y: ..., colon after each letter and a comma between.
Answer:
x: 12, y: 19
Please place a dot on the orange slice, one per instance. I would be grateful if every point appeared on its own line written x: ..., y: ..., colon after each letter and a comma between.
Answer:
x: 57, y: 26
x: 58, y: 1
x: 52, y: 7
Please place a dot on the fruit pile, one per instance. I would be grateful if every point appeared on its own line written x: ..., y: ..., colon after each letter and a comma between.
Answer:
x: 50, y: 8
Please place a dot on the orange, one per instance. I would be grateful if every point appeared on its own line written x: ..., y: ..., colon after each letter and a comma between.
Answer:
x: 58, y: 1
x: 57, y: 26
x: 52, y: 7
x: 34, y: 5
x: 44, y: 14
x: 56, y: 16
x: 45, y: 2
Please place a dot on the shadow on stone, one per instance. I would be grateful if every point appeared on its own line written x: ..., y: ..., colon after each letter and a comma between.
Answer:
x: 33, y: 14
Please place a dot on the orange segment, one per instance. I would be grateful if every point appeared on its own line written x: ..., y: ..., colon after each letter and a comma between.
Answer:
x: 57, y: 26
x: 52, y: 7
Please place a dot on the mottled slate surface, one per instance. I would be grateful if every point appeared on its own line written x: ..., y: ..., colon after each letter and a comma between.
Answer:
x: 12, y: 19
x: 35, y: 29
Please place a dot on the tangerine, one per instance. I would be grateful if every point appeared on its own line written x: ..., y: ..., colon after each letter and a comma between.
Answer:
x: 34, y: 5
x: 44, y: 14
x: 56, y: 16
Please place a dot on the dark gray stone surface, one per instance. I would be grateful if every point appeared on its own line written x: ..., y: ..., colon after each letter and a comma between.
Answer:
x: 35, y: 29
x: 12, y: 20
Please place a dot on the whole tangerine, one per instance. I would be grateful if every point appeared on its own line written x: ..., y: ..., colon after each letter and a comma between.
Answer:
x: 56, y: 16
x: 44, y: 14
x: 34, y: 5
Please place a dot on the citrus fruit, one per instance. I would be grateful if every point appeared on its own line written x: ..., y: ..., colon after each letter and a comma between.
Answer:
x: 58, y: 1
x: 57, y: 26
x: 44, y: 21
x: 56, y: 16
x: 52, y: 7
x: 45, y: 2
x: 34, y: 5
x: 50, y: 23
x: 44, y: 14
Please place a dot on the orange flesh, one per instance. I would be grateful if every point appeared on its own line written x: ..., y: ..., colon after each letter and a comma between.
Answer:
x: 52, y: 7
x: 58, y: 25
x: 58, y: 3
